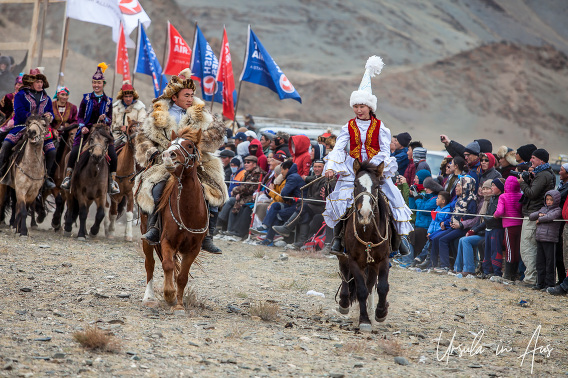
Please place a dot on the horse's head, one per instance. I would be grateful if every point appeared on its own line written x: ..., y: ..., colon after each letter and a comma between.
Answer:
x: 36, y: 128
x: 182, y: 152
x: 367, y: 184
x: 99, y: 140
x: 132, y: 127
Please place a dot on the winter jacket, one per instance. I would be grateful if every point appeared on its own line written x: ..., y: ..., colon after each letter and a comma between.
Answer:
x: 440, y: 218
x: 413, y: 168
x: 506, y: 171
x: 120, y: 115
x: 284, y: 148
x: 509, y: 205
x: 563, y: 189
x: 314, y: 191
x: 546, y: 229
x: 471, y: 223
x: 300, y: 149
x: 423, y: 202
x: 25, y: 104
x: 228, y: 174
x: 262, y: 159
x: 279, y: 184
x: 294, y: 182
x: 533, y: 193
x: 456, y: 149
x: 245, y: 191
x: 401, y: 157
x: 239, y: 175
x: 565, y: 211
x: 489, y: 222
x: 490, y: 174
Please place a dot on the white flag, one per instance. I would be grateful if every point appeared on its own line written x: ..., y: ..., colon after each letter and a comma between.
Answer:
x: 110, y: 13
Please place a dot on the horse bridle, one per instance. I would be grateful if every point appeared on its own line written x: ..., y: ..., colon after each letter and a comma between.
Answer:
x: 368, y: 245
x: 188, y: 157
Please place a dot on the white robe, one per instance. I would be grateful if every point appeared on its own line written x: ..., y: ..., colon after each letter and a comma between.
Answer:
x: 341, y: 162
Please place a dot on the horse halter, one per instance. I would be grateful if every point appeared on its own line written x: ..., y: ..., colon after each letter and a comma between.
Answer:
x: 368, y: 245
x: 40, y: 135
x: 189, y: 158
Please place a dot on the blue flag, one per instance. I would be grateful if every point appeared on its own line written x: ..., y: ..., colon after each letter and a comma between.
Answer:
x: 147, y: 63
x: 204, y: 66
x: 259, y: 68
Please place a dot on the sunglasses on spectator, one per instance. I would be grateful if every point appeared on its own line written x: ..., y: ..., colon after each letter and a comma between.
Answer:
x: 248, y: 162
x: 484, y: 160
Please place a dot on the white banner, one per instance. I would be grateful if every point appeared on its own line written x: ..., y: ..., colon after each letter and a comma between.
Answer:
x: 110, y: 13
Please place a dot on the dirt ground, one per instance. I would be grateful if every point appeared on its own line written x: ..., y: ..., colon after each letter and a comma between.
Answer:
x: 52, y: 287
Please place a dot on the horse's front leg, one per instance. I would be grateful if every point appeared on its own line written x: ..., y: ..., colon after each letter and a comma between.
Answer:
x: 382, y: 289
x: 129, y: 215
x: 362, y: 294
x: 83, y: 212
x: 344, y: 291
x: 183, y: 275
x: 99, y: 216
x: 56, y: 219
x: 32, y: 214
x: 168, y: 265
x: 112, y: 212
x: 21, y: 218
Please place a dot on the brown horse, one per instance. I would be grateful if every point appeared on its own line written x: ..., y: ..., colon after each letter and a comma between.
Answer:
x: 184, y: 218
x: 126, y: 169
x: 368, y: 233
x: 27, y: 170
x: 89, y: 183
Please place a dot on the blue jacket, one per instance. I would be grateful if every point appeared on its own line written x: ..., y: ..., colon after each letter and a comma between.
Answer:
x: 440, y: 218
x: 293, y: 183
x: 234, y: 184
x: 428, y: 202
x: 475, y: 172
x: 401, y: 159
x: 25, y: 105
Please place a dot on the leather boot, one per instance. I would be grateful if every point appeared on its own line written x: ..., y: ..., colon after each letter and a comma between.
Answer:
x: 113, y: 187
x: 4, y: 154
x: 425, y: 264
x: 152, y: 235
x: 49, y: 160
x: 507, y: 271
x: 66, y: 183
x: 287, y: 228
x: 403, y: 248
x: 303, y: 235
x: 336, y: 245
x: 207, y: 244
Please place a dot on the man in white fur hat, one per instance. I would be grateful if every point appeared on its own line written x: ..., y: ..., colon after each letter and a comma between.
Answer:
x: 367, y: 139
x: 174, y: 109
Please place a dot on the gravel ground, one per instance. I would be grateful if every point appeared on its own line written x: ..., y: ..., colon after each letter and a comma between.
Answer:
x: 52, y: 287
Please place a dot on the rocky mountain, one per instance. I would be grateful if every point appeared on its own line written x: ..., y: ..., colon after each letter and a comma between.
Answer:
x: 466, y: 68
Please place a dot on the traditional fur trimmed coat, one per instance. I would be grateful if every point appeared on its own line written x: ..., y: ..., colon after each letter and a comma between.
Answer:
x: 155, y: 136
x: 120, y: 114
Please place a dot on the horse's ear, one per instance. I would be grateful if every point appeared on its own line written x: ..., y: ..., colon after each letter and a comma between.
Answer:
x: 174, y: 135
x: 380, y: 169
x: 198, y: 135
x: 356, y: 165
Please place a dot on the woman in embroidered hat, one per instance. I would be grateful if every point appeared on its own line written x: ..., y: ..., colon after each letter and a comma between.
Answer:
x: 31, y: 99
x: 364, y: 138
x: 96, y: 107
x: 65, y: 114
x: 126, y: 106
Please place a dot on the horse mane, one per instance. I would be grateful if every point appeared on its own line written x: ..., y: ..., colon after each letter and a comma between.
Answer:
x: 98, y: 128
x: 189, y: 132
x: 368, y: 167
x: 34, y: 117
x: 168, y: 190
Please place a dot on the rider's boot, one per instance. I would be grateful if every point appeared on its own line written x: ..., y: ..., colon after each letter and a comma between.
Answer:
x: 152, y: 235
x: 66, y: 183
x: 49, y: 160
x: 207, y: 244
x: 113, y: 187
x: 287, y: 228
x: 336, y: 246
x: 4, y: 154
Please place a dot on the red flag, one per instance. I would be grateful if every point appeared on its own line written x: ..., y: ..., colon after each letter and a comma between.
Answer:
x: 122, y: 64
x: 433, y: 214
x: 179, y: 53
x: 225, y: 76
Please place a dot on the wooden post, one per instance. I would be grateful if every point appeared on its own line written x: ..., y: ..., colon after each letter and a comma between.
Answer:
x: 136, y: 52
x: 33, y: 35
x: 63, y: 56
x: 42, y: 33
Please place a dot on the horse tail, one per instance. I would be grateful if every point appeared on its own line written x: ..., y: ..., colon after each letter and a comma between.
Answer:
x: 352, y: 290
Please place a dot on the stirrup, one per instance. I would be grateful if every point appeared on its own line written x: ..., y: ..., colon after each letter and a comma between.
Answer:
x: 147, y: 236
x: 114, y: 188
x: 66, y: 184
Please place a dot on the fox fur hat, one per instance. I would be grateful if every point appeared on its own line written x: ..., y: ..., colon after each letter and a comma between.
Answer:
x: 508, y: 154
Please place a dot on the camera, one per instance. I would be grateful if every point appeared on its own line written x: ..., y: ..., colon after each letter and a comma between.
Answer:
x: 525, y: 175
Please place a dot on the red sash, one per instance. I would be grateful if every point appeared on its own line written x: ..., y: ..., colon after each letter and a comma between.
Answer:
x: 371, y: 143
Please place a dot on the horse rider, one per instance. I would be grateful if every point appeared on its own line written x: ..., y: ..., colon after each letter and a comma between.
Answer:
x: 364, y: 138
x: 127, y: 106
x: 7, y: 109
x: 65, y: 114
x: 96, y: 107
x: 174, y: 109
x: 30, y: 99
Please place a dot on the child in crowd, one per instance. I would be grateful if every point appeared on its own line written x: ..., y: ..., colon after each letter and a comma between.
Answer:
x: 547, y: 233
x: 509, y: 205
x: 493, y: 256
x: 441, y: 218
x: 466, y: 258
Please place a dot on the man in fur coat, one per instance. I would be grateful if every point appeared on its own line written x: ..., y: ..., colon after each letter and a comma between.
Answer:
x: 127, y: 106
x: 174, y: 109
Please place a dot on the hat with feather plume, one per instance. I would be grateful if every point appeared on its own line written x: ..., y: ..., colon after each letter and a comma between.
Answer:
x: 364, y: 95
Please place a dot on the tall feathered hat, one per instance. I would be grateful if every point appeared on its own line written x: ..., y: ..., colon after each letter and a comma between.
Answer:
x: 364, y: 95
x: 35, y: 74
x: 99, y: 73
x: 126, y: 88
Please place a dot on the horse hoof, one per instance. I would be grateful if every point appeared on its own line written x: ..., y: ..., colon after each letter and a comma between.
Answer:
x: 23, y: 237
x: 150, y: 303
x: 380, y: 320
x: 179, y: 312
x: 67, y: 234
x: 81, y: 238
x: 34, y: 227
x: 365, y: 327
x: 128, y: 238
x: 343, y: 310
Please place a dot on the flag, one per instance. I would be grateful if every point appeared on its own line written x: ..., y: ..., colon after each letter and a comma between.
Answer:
x: 226, y: 80
x: 102, y: 12
x: 132, y: 14
x: 147, y: 63
x: 179, y: 53
x: 259, y: 68
x: 122, y: 63
x: 204, y: 65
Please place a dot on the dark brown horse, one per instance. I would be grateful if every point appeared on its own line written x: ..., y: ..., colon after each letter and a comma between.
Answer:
x: 184, y: 219
x: 89, y: 182
x: 126, y: 169
x: 368, y: 233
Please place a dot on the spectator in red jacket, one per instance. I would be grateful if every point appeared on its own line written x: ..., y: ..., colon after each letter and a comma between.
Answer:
x: 300, y: 151
x: 255, y: 149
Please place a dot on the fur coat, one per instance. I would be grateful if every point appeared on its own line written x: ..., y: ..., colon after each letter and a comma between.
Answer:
x: 155, y: 135
x: 135, y: 111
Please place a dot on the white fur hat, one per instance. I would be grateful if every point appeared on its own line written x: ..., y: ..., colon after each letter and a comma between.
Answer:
x: 364, y: 95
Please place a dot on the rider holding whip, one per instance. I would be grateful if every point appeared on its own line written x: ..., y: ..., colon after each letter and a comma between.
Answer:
x: 364, y: 138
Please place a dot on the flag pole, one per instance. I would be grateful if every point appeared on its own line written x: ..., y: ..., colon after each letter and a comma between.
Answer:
x: 166, y: 47
x: 63, y: 56
x: 240, y: 81
x: 42, y: 33
x: 115, y: 59
x: 215, y: 84
x: 136, y: 51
